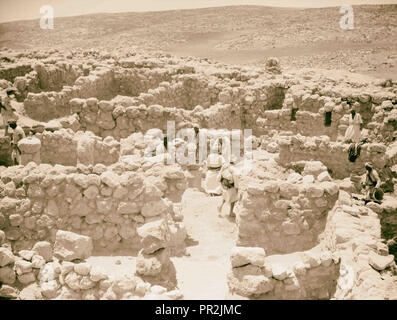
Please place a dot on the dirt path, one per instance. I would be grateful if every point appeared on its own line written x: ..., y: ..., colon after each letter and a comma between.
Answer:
x: 202, y: 275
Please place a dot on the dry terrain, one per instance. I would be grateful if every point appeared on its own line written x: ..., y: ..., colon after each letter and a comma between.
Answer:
x: 237, y: 34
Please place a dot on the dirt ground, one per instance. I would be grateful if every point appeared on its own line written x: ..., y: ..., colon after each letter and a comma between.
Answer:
x: 201, y: 273
x: 238, y: 34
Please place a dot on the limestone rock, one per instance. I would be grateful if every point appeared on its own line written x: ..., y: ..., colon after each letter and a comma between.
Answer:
x: 380, y: 262
x: 124, y: 285
x: 23, y: 266
x: 44, y: 249
x: 7, y: 275
x: 314, y: 168
x: 8, y: 292
x: 154, y: 235
x: 27, y: 278
x: 29, y: 145
x: 155, y: 208
x: 37, y: 261
x: 324, y: 176
x: 26, y: 254
x: 151, y: 265
x: 279, y: 272
x: 6, y: 257
x: 2, y: 237
x: 250, y: 285
x: 31, y: 292
x: 97, y: 274
x: 82, y: 268
x: 245, y: 255
x: 110, y: 179
x: 70, y: 246
x: 49, y: 289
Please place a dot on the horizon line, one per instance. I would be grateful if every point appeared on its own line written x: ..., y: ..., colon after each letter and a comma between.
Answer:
x: 199, y: 8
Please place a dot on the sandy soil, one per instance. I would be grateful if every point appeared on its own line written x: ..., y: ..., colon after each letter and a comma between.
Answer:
x: 238, y: 34
x: 201, y: 274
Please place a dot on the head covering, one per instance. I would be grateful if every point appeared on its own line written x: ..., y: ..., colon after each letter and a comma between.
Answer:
x: 368, y: 165
x: 214, y: 160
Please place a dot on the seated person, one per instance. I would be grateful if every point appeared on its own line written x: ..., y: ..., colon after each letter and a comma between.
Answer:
x: 372, y: 183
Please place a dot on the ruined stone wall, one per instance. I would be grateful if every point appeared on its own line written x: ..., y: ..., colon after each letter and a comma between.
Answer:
x: 186, y: 91
x: 134, y: 81
x: 305, y: 275
x: 384, y: 121
x: 58, y: 147
x: 45, y: 106
x: 12, y: 71
x: 354, y: 232
x: 333, y: 154
x: 310, y: 106
x: 284, y: 216
x: 49, y: 76
x: 346, y: 263
x: 62, y: 272
x: 36, y: 201
x: 68, y: 148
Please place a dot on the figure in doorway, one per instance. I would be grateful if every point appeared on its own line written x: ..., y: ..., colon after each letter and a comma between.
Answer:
x: 353, y: 132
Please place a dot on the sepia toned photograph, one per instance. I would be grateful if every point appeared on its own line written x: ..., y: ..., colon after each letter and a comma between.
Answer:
x: 198, y: 150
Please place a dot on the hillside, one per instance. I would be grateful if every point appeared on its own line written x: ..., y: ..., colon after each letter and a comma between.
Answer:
x: 237, y: 34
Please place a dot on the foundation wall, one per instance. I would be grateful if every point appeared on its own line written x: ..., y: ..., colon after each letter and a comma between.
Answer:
x: 283, y: 216
x: 36, y: 201
x: 333, y: 154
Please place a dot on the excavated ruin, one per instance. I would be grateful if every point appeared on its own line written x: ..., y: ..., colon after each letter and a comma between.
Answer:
x: 85, y: 188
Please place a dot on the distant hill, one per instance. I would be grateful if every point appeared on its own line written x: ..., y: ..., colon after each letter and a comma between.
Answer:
x: 255, y: 26
x: 233, y: 34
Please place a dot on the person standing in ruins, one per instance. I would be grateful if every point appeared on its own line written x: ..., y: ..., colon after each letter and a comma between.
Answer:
x: 353, y: 132
x: 212, y: 167
x: 17, y: 135
x: 7, y: 111
x: 227, y: 178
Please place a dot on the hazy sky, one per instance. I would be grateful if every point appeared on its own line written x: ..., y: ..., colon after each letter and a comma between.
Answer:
x: 30, y: 9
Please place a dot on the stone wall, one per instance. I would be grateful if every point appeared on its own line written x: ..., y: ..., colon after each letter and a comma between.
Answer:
x: 12, y: 71
x: 284, y: 216
x: 347, y: 263
x: 354, y: 231
x: 133, y: 80
x: 74, y: 148
x: 49, y: 76
x: 45, y: 106
x: 62, y: 272
x: 333, y: 154
x: 304, y: 275
x: 310, y: 104
x: 36, y: 201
